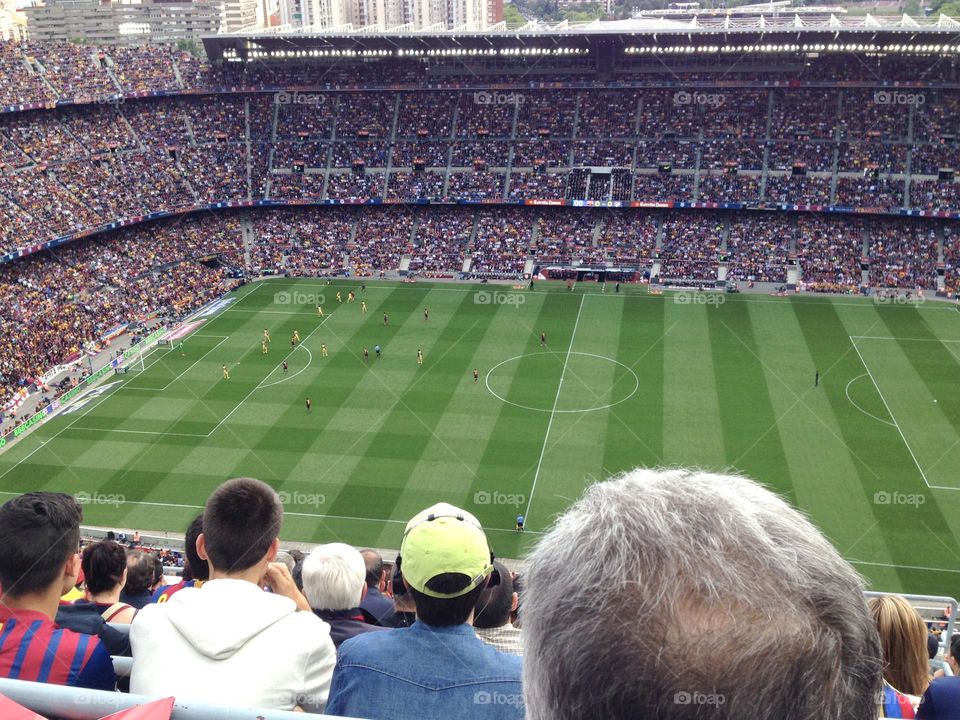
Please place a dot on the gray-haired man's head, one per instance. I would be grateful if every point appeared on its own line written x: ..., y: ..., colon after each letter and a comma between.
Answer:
x: 691, y: 595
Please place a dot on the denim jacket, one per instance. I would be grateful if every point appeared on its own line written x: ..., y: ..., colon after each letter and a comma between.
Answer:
x: 425, y: 672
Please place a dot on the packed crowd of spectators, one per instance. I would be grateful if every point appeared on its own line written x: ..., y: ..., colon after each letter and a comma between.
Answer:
x: 830, y: 252
x: 903, y: 254
x: 301, y: 241
x: 758, y: 247
x: 59, y: 301
x: 689, y: 248
x: 339, y: 630
x: 567, y: 237
x: 502, y: 242
x: 440, y: 241
x: 311, y: 241
x: 236, y: 147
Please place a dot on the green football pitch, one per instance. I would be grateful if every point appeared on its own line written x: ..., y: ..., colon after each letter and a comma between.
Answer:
x: 719, y: 382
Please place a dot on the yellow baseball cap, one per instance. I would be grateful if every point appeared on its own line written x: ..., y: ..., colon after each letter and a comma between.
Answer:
x: 444, y: 539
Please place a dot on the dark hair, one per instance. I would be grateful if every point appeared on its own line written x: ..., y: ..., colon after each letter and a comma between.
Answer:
x: 157, y: 569
x: 297, y: 571
x: 140, y: 572
x: 493, y: 606
x: 240, y: 522
x: 374, y: 565
x: 933, y: 645
x: 955, y: 647
x: 446, y: 612
x: 39, y: 531
x: 199, y: 570
x: 103, y: 564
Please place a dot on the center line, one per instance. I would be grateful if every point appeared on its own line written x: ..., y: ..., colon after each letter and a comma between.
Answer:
x: 553, y: 412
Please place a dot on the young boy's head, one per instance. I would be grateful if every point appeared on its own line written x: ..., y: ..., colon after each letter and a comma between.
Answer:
x: 241, y: 523
x: 40, y: 537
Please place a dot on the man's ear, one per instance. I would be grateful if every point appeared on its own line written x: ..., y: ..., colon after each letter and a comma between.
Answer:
x: 202, y: 552
x: 71, y: 569
x: 514, y: 602
x: 363, y: 592
x: 274, y: 549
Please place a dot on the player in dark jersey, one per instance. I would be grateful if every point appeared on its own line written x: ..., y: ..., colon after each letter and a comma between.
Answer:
x: 426, y: 314
x: 386, y: 319
x: 476, y: 376
x: 543, y: 339
x: 309, y: 405
x: 285, y: 366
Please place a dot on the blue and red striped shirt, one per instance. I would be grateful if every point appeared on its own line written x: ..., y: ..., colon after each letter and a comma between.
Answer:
x: 895, y: 704
x: 33, y: 647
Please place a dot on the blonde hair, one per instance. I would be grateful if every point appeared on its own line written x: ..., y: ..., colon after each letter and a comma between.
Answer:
x: 903, y: 637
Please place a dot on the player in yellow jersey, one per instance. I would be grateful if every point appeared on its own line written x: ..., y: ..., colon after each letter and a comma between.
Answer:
x: 419, y: 356
x: 363, y: 307
x: 323, y: 350
x: 226, y: 373
x: 266, y: 335
x: 351, y: 297
x: 319, y: 311
x: 339, y: 299
x: 296, y: 336
x: 263, y: 347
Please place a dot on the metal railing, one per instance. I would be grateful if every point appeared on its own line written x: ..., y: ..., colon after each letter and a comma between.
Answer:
x: 57, y: 701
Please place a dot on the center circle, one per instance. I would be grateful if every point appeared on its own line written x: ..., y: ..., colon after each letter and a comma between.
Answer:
x: 581, y: 373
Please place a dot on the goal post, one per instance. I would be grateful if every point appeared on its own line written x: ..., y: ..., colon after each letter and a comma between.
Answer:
x: 133, y: 357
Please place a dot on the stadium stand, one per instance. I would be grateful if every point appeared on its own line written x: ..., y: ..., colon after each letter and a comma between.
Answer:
x: 143, y: 183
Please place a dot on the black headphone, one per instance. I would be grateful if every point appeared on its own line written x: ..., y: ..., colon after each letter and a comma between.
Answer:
x: 397, y: 586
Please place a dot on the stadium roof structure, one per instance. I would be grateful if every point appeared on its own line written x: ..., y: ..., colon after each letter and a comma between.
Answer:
x: 763, y: 33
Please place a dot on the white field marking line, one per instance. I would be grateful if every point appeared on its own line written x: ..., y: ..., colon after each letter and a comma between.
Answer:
x: 43, y: 443
x: 896, y: 424
x: 260, y: 385
x: 290, y: 377
x: 553, y: 413
x: 636, y: 385
x: 93, y: 405
x: 140, y: 432
x: 291, y: 514
x: 748, y: 297
x: 905, y: 567
x: 79, y: 417
x: 846, y: 392
x: 224, y: 338
x: 904, y: 339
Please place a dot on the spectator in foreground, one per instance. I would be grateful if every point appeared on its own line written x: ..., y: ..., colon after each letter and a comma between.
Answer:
x: 195, y: 571
x: 491, y: 617
x: 950, y: 659
x: 376, y: 606
x: 438, y: 667
x: 646, y: 561
x: 334, y: 582
x: 40, y: 535
x: 104, y: 567
x: 405, y: 611
x: 941, y: 701
x: 903, y: 638
x: 229, y: 638
x: 140, y: 579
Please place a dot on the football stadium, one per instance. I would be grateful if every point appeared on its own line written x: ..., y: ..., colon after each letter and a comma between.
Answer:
x: 630, y: 324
